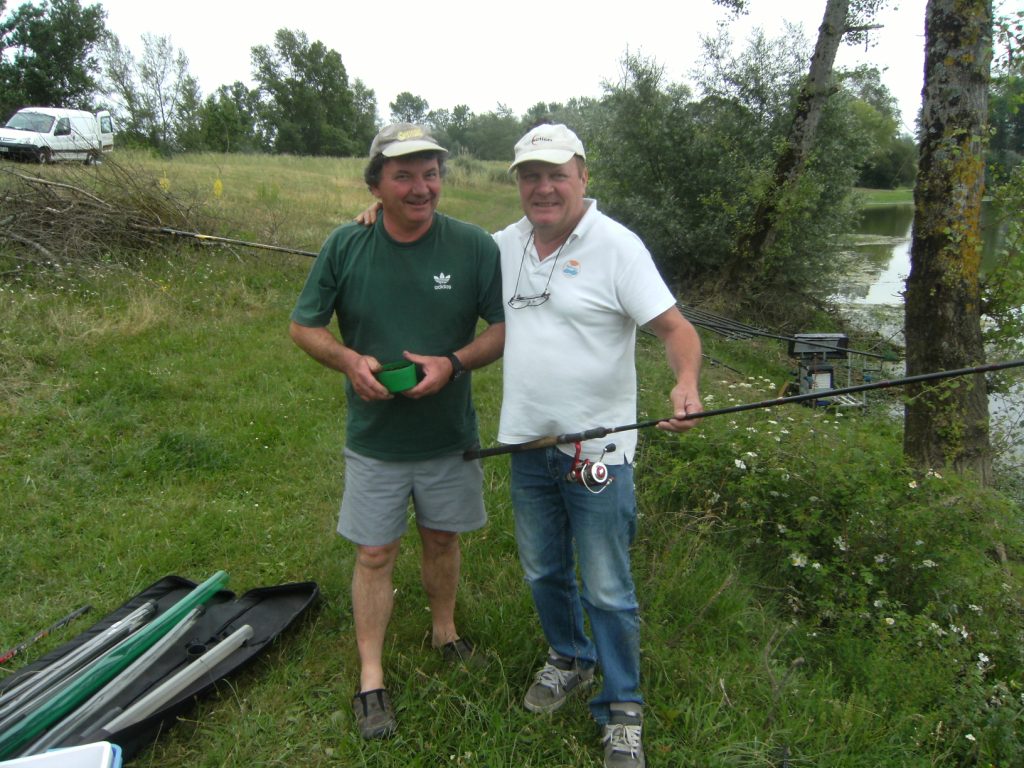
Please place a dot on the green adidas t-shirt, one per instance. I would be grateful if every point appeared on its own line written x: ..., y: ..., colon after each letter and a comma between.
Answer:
x: 424, y: 297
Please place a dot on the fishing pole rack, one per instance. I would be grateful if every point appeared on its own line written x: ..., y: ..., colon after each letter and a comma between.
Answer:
x: 816, y: 356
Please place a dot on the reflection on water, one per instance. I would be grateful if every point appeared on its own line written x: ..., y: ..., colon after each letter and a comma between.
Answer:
x: 882, y: 246
x: 882, y: 249
x: 875, y: 290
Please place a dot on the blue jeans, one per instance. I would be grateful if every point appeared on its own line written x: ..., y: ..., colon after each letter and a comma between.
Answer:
x: 552, y: 516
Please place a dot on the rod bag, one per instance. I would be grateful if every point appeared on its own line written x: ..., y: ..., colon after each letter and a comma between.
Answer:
x: 269, y: 611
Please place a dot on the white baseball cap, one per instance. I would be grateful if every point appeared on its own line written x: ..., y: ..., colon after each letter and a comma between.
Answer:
x: 554, y: 144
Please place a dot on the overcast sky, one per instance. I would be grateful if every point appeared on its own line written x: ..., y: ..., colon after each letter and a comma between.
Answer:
x: 452, y: 52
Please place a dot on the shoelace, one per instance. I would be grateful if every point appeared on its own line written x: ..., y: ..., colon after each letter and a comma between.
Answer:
x: 552, y: 677
x: 624, y: 738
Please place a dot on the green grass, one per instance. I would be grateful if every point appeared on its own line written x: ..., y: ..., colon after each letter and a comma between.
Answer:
x: 160, y: 421
x: 872, y: 197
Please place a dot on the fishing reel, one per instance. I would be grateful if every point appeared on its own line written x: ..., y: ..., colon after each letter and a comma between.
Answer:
x: 592, y: 475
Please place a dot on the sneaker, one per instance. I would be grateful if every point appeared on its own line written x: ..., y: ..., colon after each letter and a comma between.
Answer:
x: 554, y: 682
x: 375, y: 716
x: 623, y: 745
x: 461, y: 652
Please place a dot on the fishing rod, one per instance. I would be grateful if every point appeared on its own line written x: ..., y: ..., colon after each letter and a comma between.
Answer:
x: 597, y: 432
x: 225, y: 240
x: 20, y: 647
x: 726, y: 326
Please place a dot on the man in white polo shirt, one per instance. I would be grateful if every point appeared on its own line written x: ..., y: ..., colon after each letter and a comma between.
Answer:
x: 577, y: 285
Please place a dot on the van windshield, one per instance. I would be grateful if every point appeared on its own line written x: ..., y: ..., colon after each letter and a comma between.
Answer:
x: 30, y: 121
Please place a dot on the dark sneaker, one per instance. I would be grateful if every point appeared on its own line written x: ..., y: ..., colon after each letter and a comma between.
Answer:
x: 462, y: 652
x: 375, y: 716
x: 623, y: 742
x: 554, y: 682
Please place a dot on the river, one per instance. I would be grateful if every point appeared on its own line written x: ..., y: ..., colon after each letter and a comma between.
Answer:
x: 874, y: 295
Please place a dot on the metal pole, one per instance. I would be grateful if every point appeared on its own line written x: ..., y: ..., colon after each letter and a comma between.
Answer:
x: 106, y: 668
x: 225, y: 240
x: 596, y: 432
x: 80, y: 716
x: 20, y: 647
x: 174, y: 686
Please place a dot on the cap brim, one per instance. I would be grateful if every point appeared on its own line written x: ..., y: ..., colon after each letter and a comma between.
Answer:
x: 553, y: 156
x: 400, y: 148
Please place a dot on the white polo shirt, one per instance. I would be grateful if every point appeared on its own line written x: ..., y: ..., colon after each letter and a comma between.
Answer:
x: 569, y: 363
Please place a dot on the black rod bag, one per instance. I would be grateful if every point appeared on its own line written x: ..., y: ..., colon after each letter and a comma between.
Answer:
x: 268, y: 610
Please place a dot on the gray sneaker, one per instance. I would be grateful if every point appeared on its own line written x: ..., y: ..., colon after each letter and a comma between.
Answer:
x: 375, y: 717
x: 554, y: 682
x: 623, y: 744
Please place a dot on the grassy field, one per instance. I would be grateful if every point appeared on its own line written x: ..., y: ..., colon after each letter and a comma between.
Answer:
x: 158, y: 420
x: 886, y: 196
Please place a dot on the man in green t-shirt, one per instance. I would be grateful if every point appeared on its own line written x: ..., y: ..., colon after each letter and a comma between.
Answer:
x: 409, y: 289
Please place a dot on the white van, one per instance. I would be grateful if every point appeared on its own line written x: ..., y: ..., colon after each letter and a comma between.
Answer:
x: 48, y: 134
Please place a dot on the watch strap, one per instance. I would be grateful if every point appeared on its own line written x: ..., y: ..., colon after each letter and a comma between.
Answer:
x: 457, y: 368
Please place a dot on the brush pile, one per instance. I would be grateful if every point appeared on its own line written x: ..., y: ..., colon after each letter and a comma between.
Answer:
x: 59, y: 216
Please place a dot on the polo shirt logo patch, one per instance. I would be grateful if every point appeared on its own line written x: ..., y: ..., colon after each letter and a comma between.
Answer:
x: 441, y: 282
x: 572, y: 268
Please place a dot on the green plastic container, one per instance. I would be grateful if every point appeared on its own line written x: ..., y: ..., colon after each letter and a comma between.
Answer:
x: 398, y: 377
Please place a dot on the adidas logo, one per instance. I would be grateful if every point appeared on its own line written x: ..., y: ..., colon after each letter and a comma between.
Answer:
x: 441, y: 282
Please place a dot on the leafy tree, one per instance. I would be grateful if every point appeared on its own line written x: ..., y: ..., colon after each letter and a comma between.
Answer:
x: 492, y: 135
x: 164, y: 83
x: 47, y: 54
x: 408, y: 108
x: 364, y: 101
x: 949, y: 425
x: 150, y: 92
x: 1006, y: 97
x: 307, y: 106
x: 228, y: 119
x: 1003, y: 283
x: 842, y: 19
x: 452, y: 126
x: 685, y: 173
x: 892, y: 158
x: 187, y: 118
x: 119, y: 82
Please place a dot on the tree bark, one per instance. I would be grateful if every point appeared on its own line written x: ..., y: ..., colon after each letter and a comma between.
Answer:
x: 947, y: 425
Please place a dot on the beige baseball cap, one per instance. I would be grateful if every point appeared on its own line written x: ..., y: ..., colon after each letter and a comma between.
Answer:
x: 548, y: 144
x: 400, y: 139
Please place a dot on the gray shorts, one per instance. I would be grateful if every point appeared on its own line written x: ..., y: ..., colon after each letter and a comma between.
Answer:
x: 446, y: 494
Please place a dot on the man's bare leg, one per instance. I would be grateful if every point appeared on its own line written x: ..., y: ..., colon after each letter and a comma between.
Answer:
x: 373, y: 598
x: 441, y: 562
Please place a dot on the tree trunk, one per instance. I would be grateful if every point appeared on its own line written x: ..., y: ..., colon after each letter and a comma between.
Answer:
x: 947, y: 425
x: 814, y: 92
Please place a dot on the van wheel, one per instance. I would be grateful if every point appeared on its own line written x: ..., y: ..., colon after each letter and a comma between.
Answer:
x: 92, y: 159
x: 44, y: 156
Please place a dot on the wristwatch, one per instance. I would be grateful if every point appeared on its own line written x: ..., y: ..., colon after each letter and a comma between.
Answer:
x: 457, y: 369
